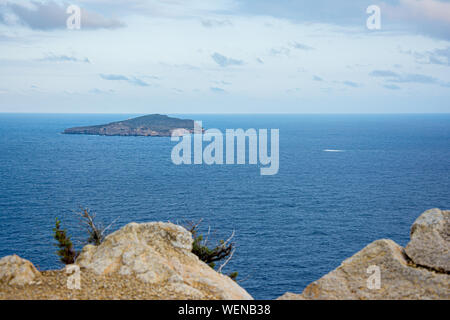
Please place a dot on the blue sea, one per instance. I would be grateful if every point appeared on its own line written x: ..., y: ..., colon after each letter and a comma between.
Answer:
x: 291, y: 228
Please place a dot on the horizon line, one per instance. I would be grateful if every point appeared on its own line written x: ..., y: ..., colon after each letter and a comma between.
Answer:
x: 231, y: 113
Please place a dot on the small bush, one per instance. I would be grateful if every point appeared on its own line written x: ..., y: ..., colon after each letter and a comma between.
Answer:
x: 66, y: 252
x: 223, y: 251
x: 95, y: 230
x: 96, y: 234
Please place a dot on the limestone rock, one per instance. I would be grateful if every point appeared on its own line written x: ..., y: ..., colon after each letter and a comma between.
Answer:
x: 430, y: 240
x: 17, y: 271
x: 159, y: 253
x: 291, y: 296
x: 384, y: 270
x: 355, y: 278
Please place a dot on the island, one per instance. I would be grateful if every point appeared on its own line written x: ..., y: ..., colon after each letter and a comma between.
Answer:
x: 155, y: 125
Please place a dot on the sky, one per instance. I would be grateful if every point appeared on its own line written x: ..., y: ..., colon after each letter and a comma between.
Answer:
x: 225, y: 56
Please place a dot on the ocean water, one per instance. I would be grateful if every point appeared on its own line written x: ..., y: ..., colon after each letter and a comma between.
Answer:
x: 344, y: 181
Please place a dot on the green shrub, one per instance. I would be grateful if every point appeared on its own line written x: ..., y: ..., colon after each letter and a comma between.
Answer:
x: 96, y: 234
x: 66, y: 252
x: 222, y: 251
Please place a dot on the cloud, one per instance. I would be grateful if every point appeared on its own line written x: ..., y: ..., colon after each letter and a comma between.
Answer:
x: 342, y: 12
x: 217, y: 90
x: 431, y: 17
x: 64, y: 58
x: 113, y: 77
x: 301, y: 46
x: 5, y: 38
x: 280, y: 51
x: 165, y: 8
x: 212, y: 23
x: 293, y: 90
x: 138, y: 82
x: 351, y: 84
x: 223, y: 83
x: 404, y: 78
x: 178, y: 91
x: 383, y: 73
x: 152, y: 77
x: 440, y: 56
x: 437, y: 56
x: 415, y: 78
x: 50, y: 15
x: 99, y: 91
x: 391, y: 87
x: 425, y: 10
x: 394, y: 77
x: 118, y: 77
x: 223, y: 61
x: 184, y: 66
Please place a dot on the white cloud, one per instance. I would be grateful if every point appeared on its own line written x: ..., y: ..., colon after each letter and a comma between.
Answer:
x: 50, y: 15
x: 427, y: 16
x: 64, y: 58
x: 191, y: 60
x: 164, y: 8
x: 223, y: 61
x: 118, y: 77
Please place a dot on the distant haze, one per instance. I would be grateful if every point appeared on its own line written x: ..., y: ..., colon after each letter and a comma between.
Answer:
x: 225, y: 56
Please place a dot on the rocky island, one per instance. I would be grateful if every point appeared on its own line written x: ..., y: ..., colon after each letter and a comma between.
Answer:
x: 155, y: 125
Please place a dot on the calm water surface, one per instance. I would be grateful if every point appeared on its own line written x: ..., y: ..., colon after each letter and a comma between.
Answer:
x: 291, y: 228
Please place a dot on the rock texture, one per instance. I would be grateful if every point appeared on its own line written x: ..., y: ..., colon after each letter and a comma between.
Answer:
x: 16, y: 271
x: 291, y: 296
x: 149, y: 125
x: 160, y: 254
x: 154, y: 261
x: 419, y: 272
x: 430, y: 240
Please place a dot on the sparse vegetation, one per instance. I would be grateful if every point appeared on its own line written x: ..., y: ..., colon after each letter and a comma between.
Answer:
x: 96, y: 234
x: 95, y: 230
x: 222, y: 251
x: 66, y: 252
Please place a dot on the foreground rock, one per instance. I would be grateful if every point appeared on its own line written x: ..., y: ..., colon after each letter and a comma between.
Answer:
x: 159, y: 254
x: 291, y: 296
x: 430, y: 240
x: 15, y: 271
x: 139, y: 261
x: 419, y: 272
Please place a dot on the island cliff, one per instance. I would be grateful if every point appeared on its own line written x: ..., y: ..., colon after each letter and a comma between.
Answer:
x: 156, y: 125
